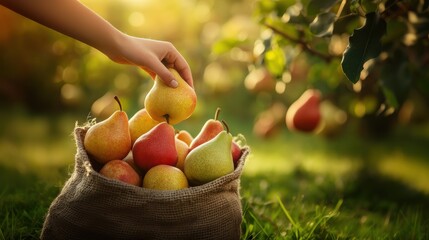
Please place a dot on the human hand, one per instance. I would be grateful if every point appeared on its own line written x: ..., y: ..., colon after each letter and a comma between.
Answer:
x: 155, y: 57
x: 74, y: 19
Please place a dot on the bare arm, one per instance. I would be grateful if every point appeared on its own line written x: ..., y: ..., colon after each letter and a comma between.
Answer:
x: 74, y: 19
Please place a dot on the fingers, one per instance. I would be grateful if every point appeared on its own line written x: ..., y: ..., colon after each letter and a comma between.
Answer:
x: 184, y: 70
x: 155, y: 57
x: 162, y: 71
x: 174, y: 59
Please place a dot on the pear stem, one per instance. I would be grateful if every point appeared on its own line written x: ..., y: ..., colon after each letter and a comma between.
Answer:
x: 216, y: 117
x: 225, y: 125
x: 167, y: 118
x: 119, y: 102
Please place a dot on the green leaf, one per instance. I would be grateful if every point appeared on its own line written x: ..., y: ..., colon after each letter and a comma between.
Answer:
x: 275, y: 61
x: 224, y: 45
x: 390, y: 97
x: 364, y: 44
x: 323, y: 24
x: 318, y: 6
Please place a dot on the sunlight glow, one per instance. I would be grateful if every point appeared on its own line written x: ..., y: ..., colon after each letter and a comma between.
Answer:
x: 338, y: 44
x: 286, y: 77
x: 259, y: 48
x: 398, y: 165
x: 359, y: 109
x: 136, y: 19
x: 357, y: 87
x: 71, y: 93
x: 280, y: 87
x: 70, y: 75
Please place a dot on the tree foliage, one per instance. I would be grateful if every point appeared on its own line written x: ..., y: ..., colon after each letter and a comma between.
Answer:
x: 367, y: 56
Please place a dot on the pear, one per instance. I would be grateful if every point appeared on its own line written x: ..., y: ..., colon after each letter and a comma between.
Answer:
x: 121, y: 171
x: 165, y: 177
x: 210, y: 160
x: 210, y: 129
x: 332, y: 119
x: 304, y: 114
x: 175, y: 104
x: 236, y: 153
x: 182, y: 151
x: 109, y: 139
x: 140, y: 123
x: 185, y: 136
x: 156, y: 147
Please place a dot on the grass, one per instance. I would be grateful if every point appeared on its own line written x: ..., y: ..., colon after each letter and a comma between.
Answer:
x: 23, y: 204
x: 294, y: 186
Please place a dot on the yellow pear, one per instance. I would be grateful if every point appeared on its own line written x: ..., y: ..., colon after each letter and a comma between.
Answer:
x: 109, y: 139
x: 185, y: 136
x: 165, y: 177
x: 174, y: 104
x: 140, y: 123
x: 182, y: 151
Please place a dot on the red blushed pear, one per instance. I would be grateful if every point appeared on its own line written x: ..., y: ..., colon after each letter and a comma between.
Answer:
x: 156, y: 147
x: 140, y: 123
x: 122, y: 171
x: 236, y: 153
x: 109, y: 139
x: 210, y: 129
x: 304, y: 114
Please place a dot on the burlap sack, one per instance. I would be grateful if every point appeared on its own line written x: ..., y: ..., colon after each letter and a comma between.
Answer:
x: 91, y: 206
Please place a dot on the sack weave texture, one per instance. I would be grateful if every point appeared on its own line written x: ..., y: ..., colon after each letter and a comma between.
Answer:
x: 91, y: 206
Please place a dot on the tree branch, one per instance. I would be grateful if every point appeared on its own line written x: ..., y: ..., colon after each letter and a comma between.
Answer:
x: 305, y: 46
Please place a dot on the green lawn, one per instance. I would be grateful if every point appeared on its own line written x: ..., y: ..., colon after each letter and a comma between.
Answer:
x: 294, y: 186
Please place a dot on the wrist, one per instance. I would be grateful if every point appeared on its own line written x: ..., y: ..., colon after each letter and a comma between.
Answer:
x: 114, y: 49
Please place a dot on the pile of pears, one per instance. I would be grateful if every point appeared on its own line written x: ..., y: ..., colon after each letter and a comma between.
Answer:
x: 146, y: 150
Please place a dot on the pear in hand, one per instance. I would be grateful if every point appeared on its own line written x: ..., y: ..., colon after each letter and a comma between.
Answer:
x: 211, y: 128
x: 156, y: 147
x: 109, y: 139
x: 304, y: 114
x: 176, y: 104
x: 210, y: 160
x: 140, y: 123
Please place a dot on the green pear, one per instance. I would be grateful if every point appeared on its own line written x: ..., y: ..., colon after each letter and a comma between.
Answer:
x: 210, y: 160
x: 109, y: 139
x: 174, y: 104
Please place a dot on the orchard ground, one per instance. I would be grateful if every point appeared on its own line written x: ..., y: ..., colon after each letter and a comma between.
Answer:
x: 294, y: 186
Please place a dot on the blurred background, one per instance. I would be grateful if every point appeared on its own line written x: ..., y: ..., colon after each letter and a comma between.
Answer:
x: 243, y: 61
x: 49, y: 81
